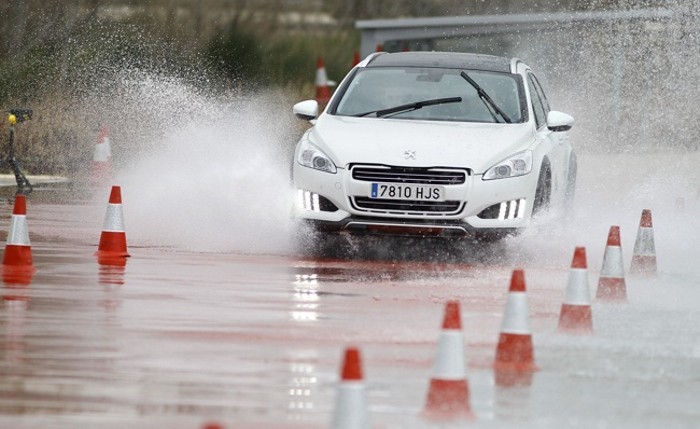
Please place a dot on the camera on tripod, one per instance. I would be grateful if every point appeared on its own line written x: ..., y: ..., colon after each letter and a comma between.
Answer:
x: 17, y: 116
x: 22, y: 115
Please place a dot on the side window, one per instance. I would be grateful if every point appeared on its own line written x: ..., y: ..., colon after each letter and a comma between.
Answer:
x: 537, y: 107
x: 540, y: 91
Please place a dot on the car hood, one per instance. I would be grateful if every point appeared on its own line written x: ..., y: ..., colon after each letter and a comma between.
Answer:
x: 478, y: 146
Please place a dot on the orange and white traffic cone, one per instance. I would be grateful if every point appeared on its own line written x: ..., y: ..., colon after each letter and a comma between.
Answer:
x: 515, y: 361
x: 350, y: 404
x: 101, y: 171
x: 611, y: 284
x: 323, y: 90
x: 644, y: 256
x: 575, y: 315
x: 18, y: 250
x: 17, y: 261
x: 448, y: 395
x: 113, y: 238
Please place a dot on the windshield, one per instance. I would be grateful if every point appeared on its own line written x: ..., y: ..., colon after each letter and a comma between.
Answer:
x: 377, y: 89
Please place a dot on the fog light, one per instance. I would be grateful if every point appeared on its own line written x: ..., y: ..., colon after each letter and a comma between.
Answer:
x: 311, y: 201
x: 514, y: 209
x: 507, y: 210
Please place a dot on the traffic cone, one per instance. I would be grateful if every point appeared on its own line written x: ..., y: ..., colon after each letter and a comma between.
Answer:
x: 18, y: 250
x: 611, y: 284
x: 113, y: 238
x: 644, y: 256
x: 515, y: 361
x: 350, y: 405
x: 448, y: 395
x: 575, y: 315
x: 17, y: 263
x: 323, y: 90
x: 101, y: 171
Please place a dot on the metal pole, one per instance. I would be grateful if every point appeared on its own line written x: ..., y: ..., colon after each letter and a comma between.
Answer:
x: 23, y: 185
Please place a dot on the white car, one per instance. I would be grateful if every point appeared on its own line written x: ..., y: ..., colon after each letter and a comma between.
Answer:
x: 433, y: 143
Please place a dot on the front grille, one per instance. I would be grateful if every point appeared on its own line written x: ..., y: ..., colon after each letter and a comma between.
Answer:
x: 424, y: 176
x: 410, y: 207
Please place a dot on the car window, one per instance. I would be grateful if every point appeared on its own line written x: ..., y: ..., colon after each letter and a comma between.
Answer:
x: 378, y: 88
x: 540, y: 92
x: 537, y: 107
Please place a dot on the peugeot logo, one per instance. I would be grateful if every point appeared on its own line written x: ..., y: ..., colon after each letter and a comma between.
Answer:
x: 410, y: 154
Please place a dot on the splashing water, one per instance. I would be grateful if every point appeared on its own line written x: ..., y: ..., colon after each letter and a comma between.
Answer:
x: 203, y: 172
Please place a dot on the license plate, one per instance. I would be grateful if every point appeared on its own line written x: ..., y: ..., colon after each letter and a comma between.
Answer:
x: 402, y: 191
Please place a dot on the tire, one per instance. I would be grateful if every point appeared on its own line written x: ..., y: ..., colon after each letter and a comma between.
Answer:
x: 543, y: 193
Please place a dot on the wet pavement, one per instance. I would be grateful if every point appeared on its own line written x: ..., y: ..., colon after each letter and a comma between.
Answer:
x: 176, y: 338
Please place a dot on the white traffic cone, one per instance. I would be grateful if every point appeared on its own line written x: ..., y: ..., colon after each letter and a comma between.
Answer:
x: 18, y: 250
x: 575, y: 315
x: 644, y: 256
x: 515, y: 361
x: 112, y: 245
x: 611, y: 284
x: 17, y: 262
x: 350, y: 404
x: 448, y: 394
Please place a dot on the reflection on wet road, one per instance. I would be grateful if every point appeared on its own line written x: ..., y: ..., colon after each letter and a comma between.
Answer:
x: 173, y: 339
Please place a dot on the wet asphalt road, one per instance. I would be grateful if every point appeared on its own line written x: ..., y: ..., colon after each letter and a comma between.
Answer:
x: 176, y: 338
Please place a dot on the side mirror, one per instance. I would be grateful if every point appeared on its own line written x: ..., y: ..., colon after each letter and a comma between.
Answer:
x: 307, y: 110
x: 559, y: 121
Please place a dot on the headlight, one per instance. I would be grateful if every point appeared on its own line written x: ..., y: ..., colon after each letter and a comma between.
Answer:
x: 519, y: 164
x: 312, y: 157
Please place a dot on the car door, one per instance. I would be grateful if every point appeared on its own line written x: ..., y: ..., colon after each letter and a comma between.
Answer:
x: 555, y: 143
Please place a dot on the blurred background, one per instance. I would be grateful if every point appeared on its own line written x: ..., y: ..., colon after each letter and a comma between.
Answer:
x: 626, y: 70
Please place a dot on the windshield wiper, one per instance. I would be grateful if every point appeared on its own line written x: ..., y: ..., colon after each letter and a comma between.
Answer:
x: 411, y: 106
x: 490, y: 104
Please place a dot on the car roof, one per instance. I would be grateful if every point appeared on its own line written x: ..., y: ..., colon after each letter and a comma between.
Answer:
x: 456, y: 60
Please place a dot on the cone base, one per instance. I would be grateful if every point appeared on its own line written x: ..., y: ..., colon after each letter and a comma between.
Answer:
x: 643, y: 265
x: 448, y: 400
x: 515, y: 353
x: 17, y: 256
x: 112, y: 244
x: 611, y: 289
x: 109, y: 260
x: 576, y: 319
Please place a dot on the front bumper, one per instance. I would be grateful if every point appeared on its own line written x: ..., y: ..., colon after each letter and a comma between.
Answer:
x: 337, y: 202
